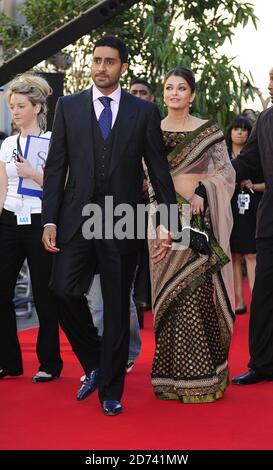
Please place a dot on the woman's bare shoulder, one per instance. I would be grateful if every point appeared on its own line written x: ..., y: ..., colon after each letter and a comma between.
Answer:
x: 198, y: 121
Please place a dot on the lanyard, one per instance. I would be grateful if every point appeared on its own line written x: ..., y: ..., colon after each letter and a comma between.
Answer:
x: 19, y: 149
x: 19, y: 153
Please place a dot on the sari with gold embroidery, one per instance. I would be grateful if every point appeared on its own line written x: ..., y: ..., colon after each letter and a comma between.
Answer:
x: 192, y: 293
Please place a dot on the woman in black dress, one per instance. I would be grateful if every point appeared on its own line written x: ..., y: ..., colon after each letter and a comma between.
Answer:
x: 245, y: 201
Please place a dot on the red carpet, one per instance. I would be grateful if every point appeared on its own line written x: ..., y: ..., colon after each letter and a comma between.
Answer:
x: 47, y: 416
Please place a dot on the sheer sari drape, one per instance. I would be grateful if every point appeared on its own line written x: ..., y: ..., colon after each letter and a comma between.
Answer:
x: 192, y: 293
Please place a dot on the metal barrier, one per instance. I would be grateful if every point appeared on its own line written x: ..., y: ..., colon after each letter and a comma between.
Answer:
x: 23, y: 300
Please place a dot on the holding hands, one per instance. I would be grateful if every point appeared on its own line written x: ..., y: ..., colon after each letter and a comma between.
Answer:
x: 162, y: 244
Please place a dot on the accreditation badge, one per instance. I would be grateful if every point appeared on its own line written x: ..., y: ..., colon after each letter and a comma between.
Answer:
x: 24, y: 218
x: 243, y: 202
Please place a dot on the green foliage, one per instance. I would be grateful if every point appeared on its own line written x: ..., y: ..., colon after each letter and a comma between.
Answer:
x: 45, y: 16
x: 162, y: 34
x: 12, y: 34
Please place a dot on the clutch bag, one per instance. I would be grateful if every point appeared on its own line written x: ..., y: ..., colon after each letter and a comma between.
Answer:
x: 199, y: 240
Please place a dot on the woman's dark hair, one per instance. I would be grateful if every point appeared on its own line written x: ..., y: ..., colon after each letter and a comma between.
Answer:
x: 185, y: 73
x: 240, y: 122
x: 115, y: 43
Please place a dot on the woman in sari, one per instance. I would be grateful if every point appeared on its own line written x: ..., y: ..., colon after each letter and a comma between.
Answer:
x: 193, y: 292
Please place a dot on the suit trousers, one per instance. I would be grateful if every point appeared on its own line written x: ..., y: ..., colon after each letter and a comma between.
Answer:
x: 142, y: 284
x: 261, y: 312
x: 74, y: 267
x: 17, y: 243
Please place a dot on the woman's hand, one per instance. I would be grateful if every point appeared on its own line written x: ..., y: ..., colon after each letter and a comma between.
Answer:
x: 197, y: 205
x: 247, y: 184
x: 257, y: 187
x: 24, y: 169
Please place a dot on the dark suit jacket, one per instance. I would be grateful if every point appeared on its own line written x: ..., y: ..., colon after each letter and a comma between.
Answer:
x: 71, y: 150
x: 256, y: 161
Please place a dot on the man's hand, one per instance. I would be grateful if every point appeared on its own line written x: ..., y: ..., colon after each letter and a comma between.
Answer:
x: 49, y: 239
x: 162, y: 244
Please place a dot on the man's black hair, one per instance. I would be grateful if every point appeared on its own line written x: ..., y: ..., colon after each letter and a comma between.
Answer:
x: 115, y: 43
x: 142, y: 81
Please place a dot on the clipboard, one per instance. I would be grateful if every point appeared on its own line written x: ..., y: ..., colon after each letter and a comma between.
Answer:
x: 36, y: 153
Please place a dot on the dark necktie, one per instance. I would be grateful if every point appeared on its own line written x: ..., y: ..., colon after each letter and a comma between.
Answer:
x: 105, y: 119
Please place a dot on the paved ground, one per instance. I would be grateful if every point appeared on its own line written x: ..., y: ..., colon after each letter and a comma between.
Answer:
x: 24, y: 322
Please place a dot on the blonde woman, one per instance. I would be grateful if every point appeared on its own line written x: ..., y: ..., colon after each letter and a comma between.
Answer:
x: 26, y: 97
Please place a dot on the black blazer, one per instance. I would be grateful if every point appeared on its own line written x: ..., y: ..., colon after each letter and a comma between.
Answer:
x: 256, y: 162
x: 138, y: 135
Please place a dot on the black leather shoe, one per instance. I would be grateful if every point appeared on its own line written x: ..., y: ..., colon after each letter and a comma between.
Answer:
x: 89, y: 385
x: 111, y: 407
x: 5, y: 373
x: 241, y: 310
x: 252, y: 377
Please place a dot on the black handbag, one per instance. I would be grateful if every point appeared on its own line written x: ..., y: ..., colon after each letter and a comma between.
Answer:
x: 197, y: 240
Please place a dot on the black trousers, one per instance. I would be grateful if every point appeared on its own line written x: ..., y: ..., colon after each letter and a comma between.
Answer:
x: 74, y: 267
x: 17, y: 243
x: 142, y: 284
x: 261, y: 312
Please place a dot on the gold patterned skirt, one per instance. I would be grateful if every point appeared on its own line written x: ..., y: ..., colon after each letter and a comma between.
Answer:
x: 190, y: 361
x: 193, y: 322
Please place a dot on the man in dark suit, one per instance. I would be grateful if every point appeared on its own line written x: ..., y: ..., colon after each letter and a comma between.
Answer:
x: 257, y: 159
x: 141, y: 88
x: 98, y: 140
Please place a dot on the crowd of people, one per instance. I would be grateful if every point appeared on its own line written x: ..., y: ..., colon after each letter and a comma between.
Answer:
x: 107, y: 142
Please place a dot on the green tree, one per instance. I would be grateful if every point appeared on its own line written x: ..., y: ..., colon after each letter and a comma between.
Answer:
x: 12, y: 35
x: 161, y: 34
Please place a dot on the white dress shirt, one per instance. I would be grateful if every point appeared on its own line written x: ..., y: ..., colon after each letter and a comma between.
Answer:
x: 98, y: 106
